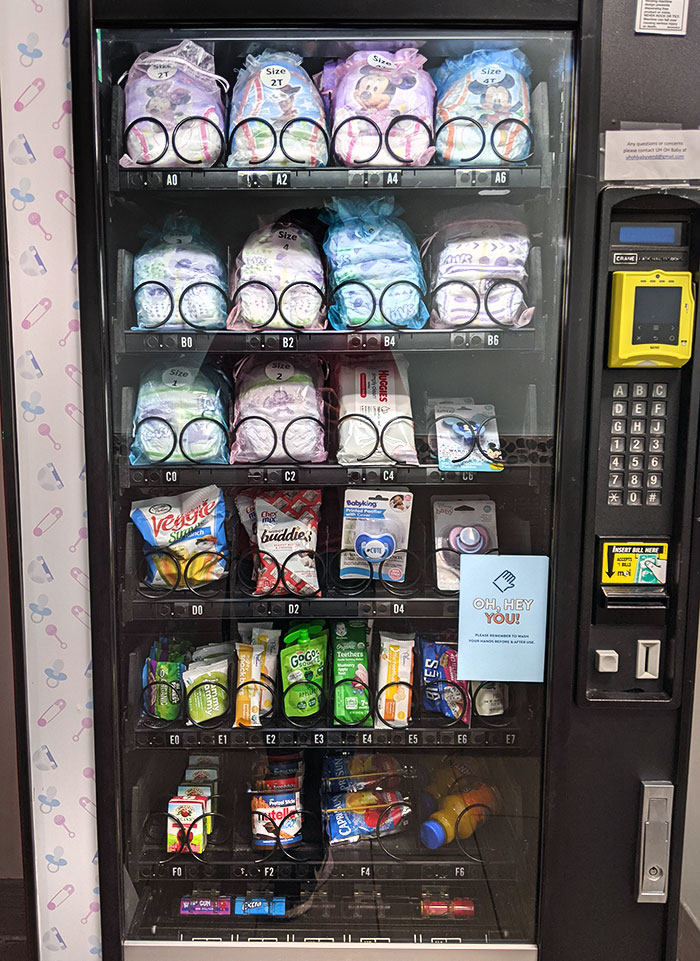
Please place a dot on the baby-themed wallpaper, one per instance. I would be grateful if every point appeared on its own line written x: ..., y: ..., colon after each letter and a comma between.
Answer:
x: 40, y: 200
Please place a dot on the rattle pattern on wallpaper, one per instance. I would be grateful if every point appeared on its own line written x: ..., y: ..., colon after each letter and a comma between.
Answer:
x: 40, y: 202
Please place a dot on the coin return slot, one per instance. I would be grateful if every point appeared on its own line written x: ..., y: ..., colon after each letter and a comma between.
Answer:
x: 648, y: 660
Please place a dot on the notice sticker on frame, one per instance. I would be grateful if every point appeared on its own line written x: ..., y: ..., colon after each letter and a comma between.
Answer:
x: 666, y: 17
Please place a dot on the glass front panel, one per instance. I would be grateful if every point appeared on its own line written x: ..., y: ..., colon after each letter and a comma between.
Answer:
x: 334, y: 276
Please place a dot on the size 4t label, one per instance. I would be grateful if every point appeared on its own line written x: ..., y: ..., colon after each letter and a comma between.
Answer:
x: 634, y: 562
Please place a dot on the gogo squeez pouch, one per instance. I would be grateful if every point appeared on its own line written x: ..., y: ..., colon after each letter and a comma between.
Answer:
x: 351, y: 704
x: 303, y: 658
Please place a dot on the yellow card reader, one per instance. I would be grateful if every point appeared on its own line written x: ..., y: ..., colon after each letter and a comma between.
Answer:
x: 651, y: 318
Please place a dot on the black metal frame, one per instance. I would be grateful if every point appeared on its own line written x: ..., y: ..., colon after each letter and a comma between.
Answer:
x: 581, y: 792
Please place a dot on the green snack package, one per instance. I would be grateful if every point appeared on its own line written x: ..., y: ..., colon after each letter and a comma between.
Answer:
x: 206, y: 700
x: 350, y: 674
x: 167, y: 700
x: 303, y: 658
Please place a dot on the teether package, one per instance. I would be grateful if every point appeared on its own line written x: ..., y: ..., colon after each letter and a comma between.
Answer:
x: 181, y: 416
x: 278, y: 281
x: 461, y: 526
x: 277, y: 114
x: 467, y: 437
x: 381, y: 106
x: 351, y: 694
x: 174, y: 112
x: 478, y: 270
x: 375, y: 423
x: 180, y: 279
x: 482, y: 111
x: 278, y: 413
x: 376, y: 526
x: 375, y: 275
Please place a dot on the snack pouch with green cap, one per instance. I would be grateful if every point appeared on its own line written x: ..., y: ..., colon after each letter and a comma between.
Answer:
x: 350, y: 674
x: 303, y: 658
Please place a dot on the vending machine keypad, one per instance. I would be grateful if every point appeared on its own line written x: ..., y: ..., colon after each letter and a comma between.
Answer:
x: 637, y: 435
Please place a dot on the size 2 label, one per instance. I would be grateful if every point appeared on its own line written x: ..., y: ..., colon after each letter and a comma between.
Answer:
x: 633, y: 562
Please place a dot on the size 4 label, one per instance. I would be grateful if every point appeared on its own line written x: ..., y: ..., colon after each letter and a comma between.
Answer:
x: 634, y: 562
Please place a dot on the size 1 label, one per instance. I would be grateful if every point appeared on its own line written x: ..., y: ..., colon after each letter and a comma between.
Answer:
x: 633, y: 562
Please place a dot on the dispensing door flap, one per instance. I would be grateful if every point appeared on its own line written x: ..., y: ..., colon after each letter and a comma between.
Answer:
x: 655, y: 841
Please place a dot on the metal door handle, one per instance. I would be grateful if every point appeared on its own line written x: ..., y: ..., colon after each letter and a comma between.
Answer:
x: 654, y: 842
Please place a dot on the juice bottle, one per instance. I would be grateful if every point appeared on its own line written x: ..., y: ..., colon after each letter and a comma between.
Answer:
x: 440, y: 827
x: 454, y: 776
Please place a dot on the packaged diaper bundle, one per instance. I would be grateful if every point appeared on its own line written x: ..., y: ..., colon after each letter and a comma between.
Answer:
x: 181, y: 416
x: 174, y: 112
x: 278, y: 413
x: 278, y: 280
x: 375, y: 424
x: 482, y: 113
x: 478, y: 270
x: 180, y: 279
x: 277, y: 114
x: 381, y: 108
x: 375, y: 274
x: 188, y: 530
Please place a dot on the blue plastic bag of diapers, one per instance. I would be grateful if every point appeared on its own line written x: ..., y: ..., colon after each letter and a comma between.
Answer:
x: 375, y: 272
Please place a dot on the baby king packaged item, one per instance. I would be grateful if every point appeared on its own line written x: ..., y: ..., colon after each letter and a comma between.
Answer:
x: 461, y: 526
x: 394, y: 679
x: 376, y: 526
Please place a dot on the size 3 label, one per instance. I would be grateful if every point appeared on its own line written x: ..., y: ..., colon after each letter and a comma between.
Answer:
x: 633, y: 562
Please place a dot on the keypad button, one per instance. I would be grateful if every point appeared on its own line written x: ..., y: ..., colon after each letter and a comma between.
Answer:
x: 617, y: 462
x: 615, y: 498
x: 618, y: 427
x: 619, y: 408
x: 659, y: 390
x: 640, y: 390
x: 654, y: 480
x: 634, y: 481
x: 658, y: 408
x: 637, y: 445
x: 636, y: 462
x: 639, y: 408
x: 617, y: 445
x: 656, y: 445
x: 620, y: 390
x: 615, y: 480
x: 655, y: 462
x: 657, y: 426
x: 638, y: 427
x: 653, y: 498
x: 634, y: 498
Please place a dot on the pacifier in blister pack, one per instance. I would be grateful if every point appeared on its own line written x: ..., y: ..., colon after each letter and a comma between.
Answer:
x: 469, y: 540
x: 374, y: 547
x: 461, y: 526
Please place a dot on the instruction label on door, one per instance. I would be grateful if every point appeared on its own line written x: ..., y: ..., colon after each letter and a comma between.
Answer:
x: 669, y: 17
x: 633, y: 562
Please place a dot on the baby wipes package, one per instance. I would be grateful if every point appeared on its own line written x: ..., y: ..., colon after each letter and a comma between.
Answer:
x: 278, y: 281
x: 351, y: 695
x: 188, y: 531
x: 482, y: 109
x: 350, y: 817
x: 277, y: 114
x: 278, y: 413
x: 376, y: 526
x: 180, y: 280
x: 461, y: 526
x: 381, y: 106
x: 394, y: 679
x: 375, y: 275
x: 375, y: 423
x: 173, y: 109
x: 181, y: 416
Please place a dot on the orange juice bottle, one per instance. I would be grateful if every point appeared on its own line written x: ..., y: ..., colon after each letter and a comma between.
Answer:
x: 440, y: 827
x: 455, y: 776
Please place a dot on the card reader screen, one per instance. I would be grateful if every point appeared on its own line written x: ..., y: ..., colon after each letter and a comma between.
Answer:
x: 656, y: 315
x: 648, y: 234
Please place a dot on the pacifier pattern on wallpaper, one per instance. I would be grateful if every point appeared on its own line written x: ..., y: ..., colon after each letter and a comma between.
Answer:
x: 39, y: 197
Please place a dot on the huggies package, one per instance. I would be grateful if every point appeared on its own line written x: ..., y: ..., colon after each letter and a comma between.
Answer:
x: 376, y: 527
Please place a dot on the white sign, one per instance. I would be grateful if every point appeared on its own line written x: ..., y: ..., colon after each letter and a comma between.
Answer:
x: 668, y: 17
x: 652, y: 155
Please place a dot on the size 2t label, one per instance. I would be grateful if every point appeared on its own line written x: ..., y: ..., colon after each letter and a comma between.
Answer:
x: 633, y: 562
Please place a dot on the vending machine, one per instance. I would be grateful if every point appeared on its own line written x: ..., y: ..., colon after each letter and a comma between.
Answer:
x: 390, y: 410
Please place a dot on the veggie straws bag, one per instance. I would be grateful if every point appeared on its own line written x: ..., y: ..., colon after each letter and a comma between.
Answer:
x: 278, y: 414
x: 181, y: 416
x: 278, y: 281
x: 174, y: 112
x: 381, y: 106
x: 277, y: 114
x: 483, y: 108
x: 375, y: 273
x: 180, y: 279
x: 184, y: 538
